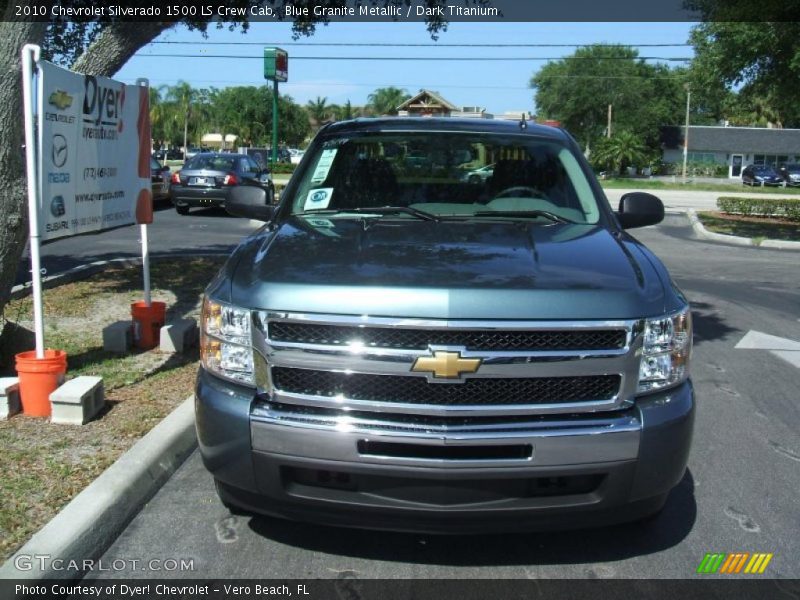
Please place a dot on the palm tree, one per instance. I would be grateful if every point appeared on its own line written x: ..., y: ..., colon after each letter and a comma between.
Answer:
x: 384, y: 101
x: 183, y: 95
x: 319, y: 110
x: 622, y: 149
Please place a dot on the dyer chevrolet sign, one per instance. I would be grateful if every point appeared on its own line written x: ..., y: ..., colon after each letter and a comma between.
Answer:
x: 94, y: 163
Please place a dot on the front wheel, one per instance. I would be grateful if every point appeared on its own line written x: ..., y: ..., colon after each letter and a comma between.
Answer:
x: 181, y: 210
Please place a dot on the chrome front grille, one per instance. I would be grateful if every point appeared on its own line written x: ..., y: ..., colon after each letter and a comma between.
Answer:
x: 417, y: 390
x: 420, y: 339
x: 363, y: 365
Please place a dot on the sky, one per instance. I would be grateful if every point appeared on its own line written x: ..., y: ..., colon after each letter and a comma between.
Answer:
x: 497, y: 86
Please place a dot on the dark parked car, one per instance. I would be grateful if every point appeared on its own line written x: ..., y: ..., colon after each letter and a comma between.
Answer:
x: 160, y: 176
x: 207, y: 179
x: 424, y: 353
x: 170, y: 154
x: 791, y: 174
x: 758, y: 175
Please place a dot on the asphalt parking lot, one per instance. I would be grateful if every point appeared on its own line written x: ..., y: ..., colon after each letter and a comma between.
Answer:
x: 739, y: 493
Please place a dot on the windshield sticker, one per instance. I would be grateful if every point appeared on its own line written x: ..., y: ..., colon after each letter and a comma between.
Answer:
x: 318, y: 199
x: 323, y: 166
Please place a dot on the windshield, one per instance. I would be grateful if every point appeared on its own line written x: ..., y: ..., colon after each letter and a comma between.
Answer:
x: 211, y: 162
x: 447, y: 175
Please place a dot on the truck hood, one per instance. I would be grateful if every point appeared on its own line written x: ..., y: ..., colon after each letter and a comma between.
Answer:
x: 487, y: 269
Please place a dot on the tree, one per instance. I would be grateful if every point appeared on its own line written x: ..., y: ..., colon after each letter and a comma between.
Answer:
x: 319, y: 110
x: 184, y: 98
x: 384, y: 101
x: 621, y: 150
x: 95, y: 49
x: 578, y: 90
x: 761, y: 59
x: 246, y: 111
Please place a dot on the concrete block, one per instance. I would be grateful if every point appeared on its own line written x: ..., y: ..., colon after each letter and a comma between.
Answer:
x: 179, y: 335
x: 9, y: 397
x: 118, y: 337
x: 78, y: 400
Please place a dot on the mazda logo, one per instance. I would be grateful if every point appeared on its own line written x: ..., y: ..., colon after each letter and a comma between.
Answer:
x: 59, y: 153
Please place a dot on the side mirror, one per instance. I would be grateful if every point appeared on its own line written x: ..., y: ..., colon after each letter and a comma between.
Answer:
x: 251, y: 202
x: 639, y: 209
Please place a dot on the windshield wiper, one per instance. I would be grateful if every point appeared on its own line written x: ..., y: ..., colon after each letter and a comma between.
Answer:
x: 380, y: 210
x: 524, y: 214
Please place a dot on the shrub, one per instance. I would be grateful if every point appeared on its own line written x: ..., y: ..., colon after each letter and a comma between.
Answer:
x: 282, y: 168
x: 787, y: 208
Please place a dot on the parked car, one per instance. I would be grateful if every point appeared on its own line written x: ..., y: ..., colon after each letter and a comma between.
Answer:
x: 295, y: 155
x: 761, y: 175
x: 168, y: 154
x: 192, y: 151
x: 791, y: 174
x: 426, y: 354
x: 479, y: 175
x: 207, y: 179
x: 160, y: 178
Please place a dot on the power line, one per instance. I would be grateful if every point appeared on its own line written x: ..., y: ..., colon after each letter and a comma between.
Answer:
x: 424, y: 58
x: 421, y: 85
x: 418, y: 45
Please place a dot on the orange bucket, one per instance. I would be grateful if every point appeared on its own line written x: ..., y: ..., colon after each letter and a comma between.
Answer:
x: 38, y: 378
x: 147, y: 323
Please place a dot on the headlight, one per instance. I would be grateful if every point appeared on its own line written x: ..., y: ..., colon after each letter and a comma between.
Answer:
x: 666, y: 351
x: 226, y: 347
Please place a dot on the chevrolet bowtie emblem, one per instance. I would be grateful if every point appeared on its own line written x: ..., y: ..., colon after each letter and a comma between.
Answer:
x: 446, y: 365
x: 60, y: 99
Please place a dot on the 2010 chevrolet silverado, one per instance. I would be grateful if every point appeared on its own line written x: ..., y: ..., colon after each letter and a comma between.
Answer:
x: 404, y: 347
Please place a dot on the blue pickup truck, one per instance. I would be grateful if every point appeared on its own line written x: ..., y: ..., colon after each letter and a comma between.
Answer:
x: 408, y: 350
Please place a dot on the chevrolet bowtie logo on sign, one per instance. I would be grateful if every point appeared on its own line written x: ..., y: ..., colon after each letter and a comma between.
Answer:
x: 446, y: 365
x: 735, y: 563
x: 60, y: 99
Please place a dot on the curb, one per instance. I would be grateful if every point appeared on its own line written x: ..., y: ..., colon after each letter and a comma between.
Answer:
x: 88, y: 525
x: 700, y: 229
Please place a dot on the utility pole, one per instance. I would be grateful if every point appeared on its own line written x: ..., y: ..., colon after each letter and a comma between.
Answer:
x: 686, y: 133
x: 274, y: 121
x: 608, y: 129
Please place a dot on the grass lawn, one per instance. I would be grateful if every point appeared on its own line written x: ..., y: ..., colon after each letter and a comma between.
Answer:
x: 649, y: 184
x: 43, y: 466
x: 759, y: 228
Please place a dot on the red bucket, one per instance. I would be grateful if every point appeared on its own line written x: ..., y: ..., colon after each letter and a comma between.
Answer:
x: 147, y: 323
x: 38, y: 378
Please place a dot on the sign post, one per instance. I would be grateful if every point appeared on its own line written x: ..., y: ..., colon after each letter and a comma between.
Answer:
x: 30, y: 56
x: 276, y: 68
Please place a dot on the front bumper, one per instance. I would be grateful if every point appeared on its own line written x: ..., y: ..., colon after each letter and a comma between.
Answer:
x: 582, y: 471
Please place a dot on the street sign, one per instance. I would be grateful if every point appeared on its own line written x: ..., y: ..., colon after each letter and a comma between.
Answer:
x: 276, y: 64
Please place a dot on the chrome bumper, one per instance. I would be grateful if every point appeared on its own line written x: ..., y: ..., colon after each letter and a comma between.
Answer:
x: 554, y: 442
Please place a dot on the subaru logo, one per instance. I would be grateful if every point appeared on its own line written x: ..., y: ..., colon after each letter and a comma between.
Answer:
x: 57, y: 207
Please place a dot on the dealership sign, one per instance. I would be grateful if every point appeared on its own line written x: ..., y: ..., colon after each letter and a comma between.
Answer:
x: 94, y: 153
x: 276, y: 64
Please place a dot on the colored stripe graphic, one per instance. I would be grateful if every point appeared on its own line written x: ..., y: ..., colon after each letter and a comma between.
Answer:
x: 711, y: 563
x: 758, y: 563
x: 734, y: 563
